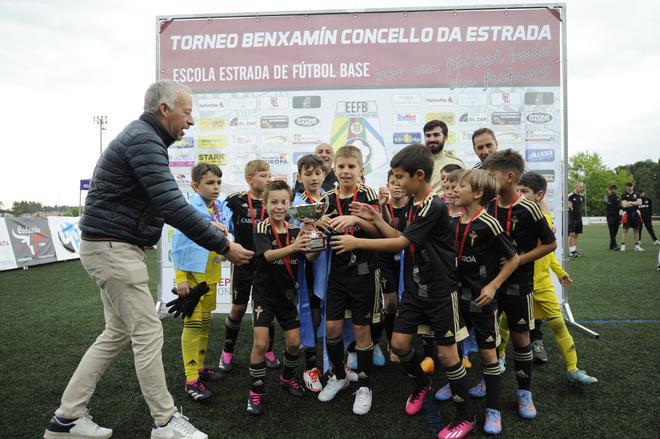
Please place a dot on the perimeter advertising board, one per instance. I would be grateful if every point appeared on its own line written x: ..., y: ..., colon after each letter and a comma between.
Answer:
x: 275, y: 86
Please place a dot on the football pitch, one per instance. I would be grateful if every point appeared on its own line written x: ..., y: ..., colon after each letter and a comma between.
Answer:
x: 51, y: 314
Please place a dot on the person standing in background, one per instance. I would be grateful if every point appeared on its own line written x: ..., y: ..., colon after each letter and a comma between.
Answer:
x: 646, y: 210
x: 575, y: 202
x: 630, y: 202
x: 612, y: 208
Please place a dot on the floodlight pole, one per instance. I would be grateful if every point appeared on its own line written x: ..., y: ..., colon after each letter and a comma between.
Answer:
x: 101, y: 121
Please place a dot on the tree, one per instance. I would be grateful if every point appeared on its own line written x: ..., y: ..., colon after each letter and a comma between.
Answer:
x: 22, y: 207
x: 597, y: 177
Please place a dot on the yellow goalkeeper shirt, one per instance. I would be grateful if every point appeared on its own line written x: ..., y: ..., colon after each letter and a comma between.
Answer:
x: 211, y: 275
x: 543, y: 265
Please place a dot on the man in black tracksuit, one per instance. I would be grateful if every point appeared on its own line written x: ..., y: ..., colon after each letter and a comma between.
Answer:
x: 646, y: 210
x: 612, y: 208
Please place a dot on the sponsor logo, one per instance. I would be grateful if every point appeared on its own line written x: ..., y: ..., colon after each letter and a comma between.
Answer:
x: 446, y: 117
x: 539, y: 135
x: 69, y: 236
x: 306, y: 102
x: 469, y: 259
x: 216, y: 159
x: 548, y: 174
x: 31, y: 240
x: 540, y: 155
x: 211, y: 123
x: 451, y: 139
x: 211, y: 105
x: 275, y: 140
x: 539, y: 117
x: 466, y: 137
x: 406, y: 138
x: 243, y: 104
x: 539, y: 98
x: 306, y: 121
x: 440, y: 99
x: 219, y: 141
x: 274, y: 102
x: 403, y: 100
x: 280, y: 176
x: 508, y: 136
x: 473, y: 118
x: 404, y: 119
x: 268, y: 122
x: 182, y: 178
x: 364, y: 108
x: 505, y: 118
x: 242, y: 122
x: 307, y: 139
x: 472, y: 99
x: 242, y: 140
x: 505, y: 98
x: 181, y: 159
x: 185, y: 143
x: 276, y: 159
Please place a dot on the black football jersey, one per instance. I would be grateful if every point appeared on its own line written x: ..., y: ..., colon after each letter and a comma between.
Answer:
x: 577, y: 201
x: 272, y: 281
x: 243, y: 219
x: 483, y: 247
x: 390, y: 263
x: 526, y: 228
x: 632, y: 198
x: 342, y: 263
x: 430, y: 261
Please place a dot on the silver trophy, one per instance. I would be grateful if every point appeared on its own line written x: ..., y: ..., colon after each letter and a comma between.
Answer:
x: 309, y: 214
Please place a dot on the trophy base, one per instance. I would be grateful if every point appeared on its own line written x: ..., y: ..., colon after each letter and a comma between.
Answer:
x: 318, y: 244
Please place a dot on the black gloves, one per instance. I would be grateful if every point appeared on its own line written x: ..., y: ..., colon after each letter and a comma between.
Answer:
x: 186, y: 305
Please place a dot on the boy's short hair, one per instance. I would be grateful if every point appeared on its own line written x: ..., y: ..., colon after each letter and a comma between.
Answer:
x: 278, y: 185
x: 433, y: 124
x: 455, y: 176
x: 450, y: 168
x: 202, y: 168
x: 414, y: 157
x: 507, y: 160
x: 535, y: 181
x: 309, y: 161
x: 254, y: 166
x: 349, y: 151
x: 629, y: 184
x: 613, y: 186
x: 481, y: 131
x: 481, y: 180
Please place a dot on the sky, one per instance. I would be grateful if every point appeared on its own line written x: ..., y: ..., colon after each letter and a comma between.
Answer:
x: 65, y: 61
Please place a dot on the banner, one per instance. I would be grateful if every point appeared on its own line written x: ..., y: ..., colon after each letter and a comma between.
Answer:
x: 7, y: 259
x: 66, y: 237
x: 31, y: 240
x: 274, y: 87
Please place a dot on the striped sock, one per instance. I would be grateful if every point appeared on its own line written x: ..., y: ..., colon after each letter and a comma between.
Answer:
x: 257, y: 374
x: 492, y: 377
x: 522, y: 360
x: 290, y: 365
x: 459, y: 389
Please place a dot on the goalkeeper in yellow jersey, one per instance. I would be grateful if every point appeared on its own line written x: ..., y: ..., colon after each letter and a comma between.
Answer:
x: 194, y: 265
x: 546, y: 306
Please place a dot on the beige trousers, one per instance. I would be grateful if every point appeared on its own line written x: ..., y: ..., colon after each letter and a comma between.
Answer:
x: 120, y: 271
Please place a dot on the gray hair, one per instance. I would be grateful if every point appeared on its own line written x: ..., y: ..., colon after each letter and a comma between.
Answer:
x: 162, y: 92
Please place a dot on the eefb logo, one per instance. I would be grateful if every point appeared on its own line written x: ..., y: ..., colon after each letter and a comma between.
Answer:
x: 540, y: 155
x: 406, y: 138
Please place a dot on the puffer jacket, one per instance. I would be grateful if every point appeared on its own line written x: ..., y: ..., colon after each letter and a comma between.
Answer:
x: 133, y: 193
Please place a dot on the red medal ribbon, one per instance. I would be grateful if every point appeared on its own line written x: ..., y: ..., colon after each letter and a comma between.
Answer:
x: 410, y: 218
x: 392, y: 214
x: 287, y: 259
x: 508, y: 216
x: 459, y: 253
x: 252, y: 217
x: 310, y: 199
x: 340, y: 211
x: 215, y: 210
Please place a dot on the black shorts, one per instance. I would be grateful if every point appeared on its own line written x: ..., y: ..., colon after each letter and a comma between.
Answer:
x: 518, y: 307
x: 441, y: 312
x: 574, y: 225
x: 241, y: 283
x: 631, y: 220
x: 486, y: 326
x: 355, y: 293
x: 285, y: 311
